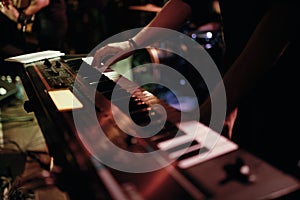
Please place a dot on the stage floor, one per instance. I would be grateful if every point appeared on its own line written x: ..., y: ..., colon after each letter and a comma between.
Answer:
x: 20, y: 135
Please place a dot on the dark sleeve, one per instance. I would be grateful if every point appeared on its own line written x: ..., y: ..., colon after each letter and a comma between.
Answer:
x: 202, y: 11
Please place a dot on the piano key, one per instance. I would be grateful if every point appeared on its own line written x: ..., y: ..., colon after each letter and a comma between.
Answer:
x: 217, y: 144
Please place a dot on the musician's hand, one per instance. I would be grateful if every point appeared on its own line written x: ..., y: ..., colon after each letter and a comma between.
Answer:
x: 111, y: 53
x: 10, y: 11
x: 5, y: 3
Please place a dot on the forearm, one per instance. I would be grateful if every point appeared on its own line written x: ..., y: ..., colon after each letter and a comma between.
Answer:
x: 172, y: 16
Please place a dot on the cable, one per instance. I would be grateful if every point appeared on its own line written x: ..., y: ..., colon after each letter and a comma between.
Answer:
x: 16, y: 118
x: 30, y: 154
x: 6, y: 141
x: 11, y: 189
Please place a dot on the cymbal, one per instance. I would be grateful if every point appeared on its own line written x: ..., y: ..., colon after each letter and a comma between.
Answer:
x: 148, y: 8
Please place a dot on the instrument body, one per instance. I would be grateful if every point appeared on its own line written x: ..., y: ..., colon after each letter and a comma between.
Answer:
x: 215, y: 178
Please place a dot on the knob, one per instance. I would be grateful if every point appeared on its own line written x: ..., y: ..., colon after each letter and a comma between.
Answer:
x: 57, y: 64
x: 238, y: 171
x: 47, y: 63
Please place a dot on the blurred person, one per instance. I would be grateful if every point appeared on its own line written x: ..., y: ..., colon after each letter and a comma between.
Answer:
x: 261, y: 39
x: 51, y: 26
x: 13, y: 41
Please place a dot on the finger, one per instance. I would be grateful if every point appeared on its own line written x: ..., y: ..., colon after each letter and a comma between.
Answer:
x: 111, y: 59
x: 101, y: 60
x: 97, y: 57
x: 104, y: 54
